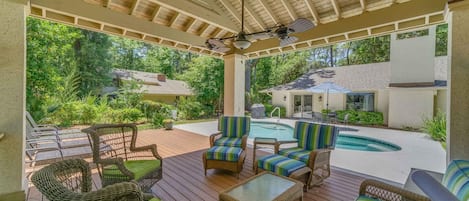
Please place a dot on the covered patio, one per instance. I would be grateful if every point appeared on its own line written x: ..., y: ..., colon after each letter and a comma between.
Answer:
x: 187, y: 25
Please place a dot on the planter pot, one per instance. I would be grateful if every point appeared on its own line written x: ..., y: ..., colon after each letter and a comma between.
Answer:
x: 168, y: 126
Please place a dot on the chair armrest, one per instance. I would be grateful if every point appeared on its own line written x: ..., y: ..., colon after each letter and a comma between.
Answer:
x: 279, y: 143
x: 45, y: 128
x: 244, y: 141
x: 431, y: 187
x: 213, y: 138
x: 319, y: 158
x: 120, y: 191
x: 151, y: 147
x: 377, y: 189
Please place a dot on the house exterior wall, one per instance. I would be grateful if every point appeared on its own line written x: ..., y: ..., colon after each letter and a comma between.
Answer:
x: 412, y: 59
x: 277, y: 100
x: 442, y: 101
x: 168, y: 99
x: 408, y: 107
x: 382, y: 103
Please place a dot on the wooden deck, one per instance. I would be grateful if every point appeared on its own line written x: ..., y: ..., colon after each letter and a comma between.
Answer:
x: 183, y: 174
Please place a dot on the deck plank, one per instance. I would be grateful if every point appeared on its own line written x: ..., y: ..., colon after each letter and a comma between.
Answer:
x: 184, y: 179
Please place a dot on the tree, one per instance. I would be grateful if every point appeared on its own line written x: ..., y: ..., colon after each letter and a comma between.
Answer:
x: 49, y: 58
x: 206, y: 77
x: 93, y: 61
x: 441, y: 40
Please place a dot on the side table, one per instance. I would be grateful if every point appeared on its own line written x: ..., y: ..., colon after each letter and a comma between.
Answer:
x: 263, y: 141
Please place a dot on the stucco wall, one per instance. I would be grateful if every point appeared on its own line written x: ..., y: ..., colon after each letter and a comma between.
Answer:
x: 412, y: 59
x: 408, y: 107
x: 277, y: 99
x: 442, y: 101
x: 382, y: 102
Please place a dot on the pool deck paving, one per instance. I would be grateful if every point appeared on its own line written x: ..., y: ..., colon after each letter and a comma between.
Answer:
x: 418, y: 150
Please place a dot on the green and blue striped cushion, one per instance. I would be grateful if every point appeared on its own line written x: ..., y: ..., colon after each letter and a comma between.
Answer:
x: 296, y: 153
x: 228, y: 142
x: 313, y: 136
x: 366, y: 198
x: 223, y: 153
x: 232, y: 126
x: 456, y: 179
x: 280, y: 165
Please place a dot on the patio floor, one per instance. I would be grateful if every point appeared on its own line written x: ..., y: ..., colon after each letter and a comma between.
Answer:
x: 183, y: 174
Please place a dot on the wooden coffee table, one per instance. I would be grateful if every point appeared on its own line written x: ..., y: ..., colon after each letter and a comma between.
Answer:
x: 265, y: 186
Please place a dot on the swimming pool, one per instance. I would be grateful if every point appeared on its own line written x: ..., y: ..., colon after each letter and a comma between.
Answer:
x: 344, y: 141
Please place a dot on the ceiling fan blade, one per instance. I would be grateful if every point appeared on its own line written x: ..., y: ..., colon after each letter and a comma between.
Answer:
x: 260, y: 36
x: 288, y: 40
x: 300, y: 25
x: 216, y: 42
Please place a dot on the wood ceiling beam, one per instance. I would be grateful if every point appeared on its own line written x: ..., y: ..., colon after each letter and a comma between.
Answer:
x: 190, y: 24
x: 174, y: 19
x: 269, y: 11
x: 99, y: 14
x: 134, y: 7
x: 235, y: 14
x: 409, y: 10
x: 107, y: 3
x: 199, y: 12
x: 363, y: 4
x: 336, y: 7
x: 255, y: 16
x: 290, y: 10
x: 155, y: 13
x: 313, y: 11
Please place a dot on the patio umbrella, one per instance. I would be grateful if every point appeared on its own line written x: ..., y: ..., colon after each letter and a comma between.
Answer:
x: 328, y: 87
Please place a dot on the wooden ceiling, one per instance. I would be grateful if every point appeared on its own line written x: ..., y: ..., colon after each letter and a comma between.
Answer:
x: 187, y: 24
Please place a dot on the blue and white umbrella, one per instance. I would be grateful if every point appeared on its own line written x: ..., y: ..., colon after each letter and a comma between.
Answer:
x: 328, y: 87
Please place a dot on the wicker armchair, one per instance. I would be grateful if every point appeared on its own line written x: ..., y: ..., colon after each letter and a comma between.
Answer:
x: 314, y: 145
x: 372, y: 189
x: 119, y: 159
x: 71, y: 180
x: 234, y: 132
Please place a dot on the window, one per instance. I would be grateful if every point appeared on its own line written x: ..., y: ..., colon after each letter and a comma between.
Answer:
x: 361, y: 101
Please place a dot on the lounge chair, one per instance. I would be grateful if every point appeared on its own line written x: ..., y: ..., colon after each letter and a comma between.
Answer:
x: 314, y: 145
x: 119, y: 159
x: 71, y: 180
x: 52, y: 130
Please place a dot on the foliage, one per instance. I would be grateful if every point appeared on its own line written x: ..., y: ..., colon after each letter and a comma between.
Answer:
x: 269, y: 108
x: 361, y: 117
x: 436, y: 126
x: 190, y: 109
x: 441, y: 48
x: 205, y: 76
x: 150, y: 108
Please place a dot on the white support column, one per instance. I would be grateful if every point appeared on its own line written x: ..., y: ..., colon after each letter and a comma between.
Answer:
x: 12, y: 98
x: 234, y: 85
x: 458, y: 82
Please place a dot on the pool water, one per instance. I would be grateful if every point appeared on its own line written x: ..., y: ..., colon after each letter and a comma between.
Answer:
x: 344, y: 141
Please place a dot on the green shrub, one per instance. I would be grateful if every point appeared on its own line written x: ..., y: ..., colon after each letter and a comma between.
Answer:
x: 189, y: 109
x: 361, y: 117
x: 88, y: 114
x: 436, y: 126
x: 66, y: 114
x: 150, y: 108
x: 157, y: 120
x: 131, y: 114
x: 269, y: 108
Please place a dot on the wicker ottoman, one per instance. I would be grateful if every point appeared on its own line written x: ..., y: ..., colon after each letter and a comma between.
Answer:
x: 227, y: 158
x: 285, y: 166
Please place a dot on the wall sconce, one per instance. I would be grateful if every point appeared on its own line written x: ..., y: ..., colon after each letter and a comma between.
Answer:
x: 320, y: 98
x: 284, y: 98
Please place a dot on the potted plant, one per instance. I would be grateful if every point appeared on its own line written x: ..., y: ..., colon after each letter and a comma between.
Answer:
x: 168, y: 124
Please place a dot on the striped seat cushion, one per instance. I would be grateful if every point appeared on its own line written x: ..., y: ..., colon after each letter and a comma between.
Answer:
x: 366, y: 198
x: 296, y: 153
x: 228, y: 142
x: 224, y: 153
x: 456, y: 179
x: 279, y: 164
x: 313, y: 136
x: 232, y: 126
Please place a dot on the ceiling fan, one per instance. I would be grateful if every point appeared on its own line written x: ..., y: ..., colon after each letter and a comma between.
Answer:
x: 243, y: 40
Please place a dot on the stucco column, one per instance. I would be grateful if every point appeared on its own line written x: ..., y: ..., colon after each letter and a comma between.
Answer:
x: 458, y: 82
x: 234, y: 84
x: 12, y: 98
